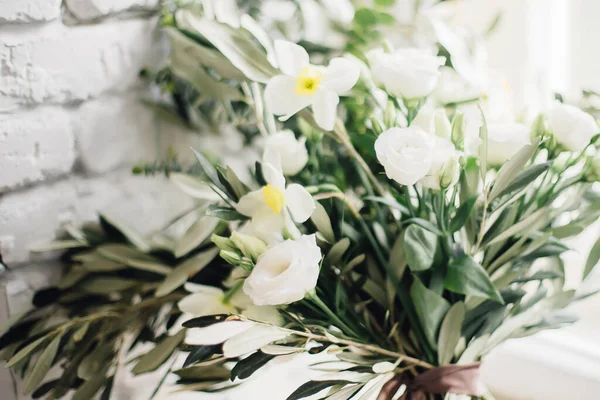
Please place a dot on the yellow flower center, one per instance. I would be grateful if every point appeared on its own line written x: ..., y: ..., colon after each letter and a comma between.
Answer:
x: 308, y: 81
x: 274, y: 198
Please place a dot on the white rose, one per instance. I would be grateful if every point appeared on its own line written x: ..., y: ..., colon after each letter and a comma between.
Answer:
x: 284, y: 149
x: 285, y: 272
x: 405, y: 153
x: 571, y: 127
x: 407, y: 73
x: 505, y: 140
x: 445, y: 166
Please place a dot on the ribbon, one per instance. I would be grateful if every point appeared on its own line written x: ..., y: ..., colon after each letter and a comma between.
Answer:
x: 454, y: 378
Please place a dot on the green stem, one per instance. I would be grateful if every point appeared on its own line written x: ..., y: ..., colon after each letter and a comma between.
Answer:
x: 341, y: 324
x: 231, y: 292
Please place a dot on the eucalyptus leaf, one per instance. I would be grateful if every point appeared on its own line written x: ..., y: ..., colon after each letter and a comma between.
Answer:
x: 420, y: 246
x: 466, y: 276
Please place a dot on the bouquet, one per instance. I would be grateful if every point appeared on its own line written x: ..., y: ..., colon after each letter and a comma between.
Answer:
x: 399, y: 217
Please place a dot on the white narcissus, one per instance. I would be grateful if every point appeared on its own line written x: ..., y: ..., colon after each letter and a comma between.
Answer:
x: 445, y: 166
x: 505, y: 140
x: 303, y: 84
x: 284, y: 149
x: 272, y: 206
x: 405, y: 153
x: 406, y: 73
x: 285, y: 272
x: 571, y: 127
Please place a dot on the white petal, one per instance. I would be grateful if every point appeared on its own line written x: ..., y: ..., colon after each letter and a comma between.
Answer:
x: 252, y: 340
x: 196, y: 288
x: 252, y: 203
x: 341, y: 75
x: 271, y: 156
x: 299, y: 202
x: 291, y: 57
x: 217, y: 333
x: 227, y: 12
x: 281, y: 99
x: 201, y: 304
x: 268, y: 222
x: 324, y: 108
x: 273, y: 176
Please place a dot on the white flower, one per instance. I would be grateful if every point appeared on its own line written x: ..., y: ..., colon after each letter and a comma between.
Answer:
x: 407, y: 73
x: 303, y: 84
x: 271, y: 206
x: 445, y: 166
x: 204, y: 300
x: 505, y: 140
x: 285, y: 272
x: 405, y: 153
x: 225, y: 11
x: 433, y: 121
x: 284, y: 149
x: 571, y: 127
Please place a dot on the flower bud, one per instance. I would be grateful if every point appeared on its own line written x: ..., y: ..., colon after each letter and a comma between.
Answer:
x: 458, y: 131
x: 250, y: 246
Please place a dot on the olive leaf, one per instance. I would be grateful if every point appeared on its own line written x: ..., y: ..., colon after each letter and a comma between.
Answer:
x: 186, y: 270
x: 42, y: 365
x: 450, y: 332
x: 159, y: 354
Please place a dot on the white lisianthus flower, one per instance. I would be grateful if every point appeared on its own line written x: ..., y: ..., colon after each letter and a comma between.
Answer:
x: 272, y: 206
x: 284, y: 149
x: 433, y: 121
x: 571, y: 127
x: 406, y: 73
x: 285, y: 272
x: 302, y: 84
x: 405, y: 153
x: 505, y: 140
x: 445, y: 166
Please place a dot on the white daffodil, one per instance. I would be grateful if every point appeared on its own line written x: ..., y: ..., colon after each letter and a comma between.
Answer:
x: 303, y: 84
x: 284, y: 149
x: 272, y: 206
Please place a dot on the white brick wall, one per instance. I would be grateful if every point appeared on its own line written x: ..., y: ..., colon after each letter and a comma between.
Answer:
x: 71, y: 127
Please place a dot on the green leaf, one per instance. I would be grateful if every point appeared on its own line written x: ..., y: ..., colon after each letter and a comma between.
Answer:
x: 313, y: 387
x: 239, y: 49
x: 450, y: 332
x: 106, y: 285
x: 209, y: 170
x: 337, y: 251
x: 90, y: 387
x: 246, y: 367
x: 58, y: 245
x: 193, y: 186
x: 158, y: 355
x: 203, y: 55
x: 25, y: 351
x: 252, y: 340
x: 132, y: 236
x: 430, y: 308
x: 592, y: 260
x: 121, y: 253
x: 188, y: 69
x: 186, y: 270
x: 96, y: 360
x: 224, y: 213
x: 525, y: 177
x: 523, y: 227
x: 323, y: 223
x: 196, y: 234
x: 466, y: 276
x: 510, y: 169
x: 462, y: 214
x: 201, y: 353
x: 385, y: 3
x: 419, y: 247
x: 80, y: 333
x: 483, y: 146
x: 42, y: 366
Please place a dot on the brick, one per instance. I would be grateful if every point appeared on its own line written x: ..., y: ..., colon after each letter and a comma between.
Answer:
x: 34, y: 145
x: 85, y: 10
x: 34, y: 216
x: 53, y: 63
x: 114, y: 131
x: 24, y: 11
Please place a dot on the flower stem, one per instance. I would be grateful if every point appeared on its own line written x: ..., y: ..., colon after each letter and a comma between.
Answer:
x: 341, y: 324
x: 231, y: 292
